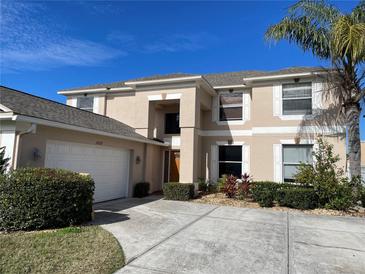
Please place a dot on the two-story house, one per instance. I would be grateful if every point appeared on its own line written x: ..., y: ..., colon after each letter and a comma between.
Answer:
x: 203, y: 126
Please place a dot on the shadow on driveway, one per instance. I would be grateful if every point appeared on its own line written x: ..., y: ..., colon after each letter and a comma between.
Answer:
x: 111, y: 211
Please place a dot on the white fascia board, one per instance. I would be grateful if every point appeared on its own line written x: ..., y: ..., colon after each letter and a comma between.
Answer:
x: 282, y: 76
x: 4, y: 108
x: 81, y: 129
x: 6, y: 116
x: 96, y: 90
x: 228, y: 87
x: 78, y: 91
x: 158, y: 81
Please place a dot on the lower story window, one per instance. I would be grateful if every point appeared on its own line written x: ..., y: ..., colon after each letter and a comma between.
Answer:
x: 293, y: 156
x: 230, y: 160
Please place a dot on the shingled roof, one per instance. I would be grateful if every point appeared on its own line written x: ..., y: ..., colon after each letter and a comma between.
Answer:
x: 29, y: 105
x: 214, y: 79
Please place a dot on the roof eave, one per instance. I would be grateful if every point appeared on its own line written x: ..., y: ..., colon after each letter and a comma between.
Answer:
x: 282, y: 76
x: 162, y: 81
x: 45, y: 122
x: 95, y: 90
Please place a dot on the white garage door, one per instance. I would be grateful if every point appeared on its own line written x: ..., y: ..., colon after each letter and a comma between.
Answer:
x: 109, y: 167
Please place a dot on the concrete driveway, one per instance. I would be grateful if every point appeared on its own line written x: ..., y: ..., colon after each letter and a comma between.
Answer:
x: 160, y: 236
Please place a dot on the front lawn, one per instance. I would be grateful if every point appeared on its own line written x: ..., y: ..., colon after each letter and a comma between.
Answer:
x: 88, y: 249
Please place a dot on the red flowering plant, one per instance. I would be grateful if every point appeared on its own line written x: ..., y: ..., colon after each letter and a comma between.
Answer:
x: 230, y: 186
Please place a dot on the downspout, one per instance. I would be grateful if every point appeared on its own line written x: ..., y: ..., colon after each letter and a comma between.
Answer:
x: 31, y: 129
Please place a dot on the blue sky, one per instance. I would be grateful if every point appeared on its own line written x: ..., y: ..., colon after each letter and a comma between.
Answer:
x: 50, y: 45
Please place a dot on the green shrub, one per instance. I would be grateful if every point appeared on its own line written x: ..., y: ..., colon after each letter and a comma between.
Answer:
x: 141, y: 189
x: 362, y: 197
x: 342, y: 199
x: 297, y: 197
x: 221, y: 183
x: 178, y: 191
x: 264, y: 193
x: 331, y: 185
x: 202, y: 185
x: 40, y: 198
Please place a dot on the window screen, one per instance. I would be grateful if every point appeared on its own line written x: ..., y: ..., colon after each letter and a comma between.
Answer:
x: 230, y: 106
x: 293, y: 156
x: 297, y: 98
x: 85, y: 103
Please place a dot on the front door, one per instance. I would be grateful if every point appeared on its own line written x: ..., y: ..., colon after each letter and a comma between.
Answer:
x: 174, y: 166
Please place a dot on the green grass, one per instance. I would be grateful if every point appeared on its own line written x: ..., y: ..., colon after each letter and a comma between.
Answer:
x: 88, y: 249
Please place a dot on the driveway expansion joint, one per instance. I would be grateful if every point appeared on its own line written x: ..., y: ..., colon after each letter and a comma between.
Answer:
x: 170, y: 236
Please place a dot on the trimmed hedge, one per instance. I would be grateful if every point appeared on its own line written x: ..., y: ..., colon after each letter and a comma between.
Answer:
x: 178, y: 191
x: 297, y: 197
x: 40, y: 198
x: 264, y: 193
x: 141, y: 189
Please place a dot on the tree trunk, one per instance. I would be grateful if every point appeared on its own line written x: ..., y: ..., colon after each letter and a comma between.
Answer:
x: 354, y: 144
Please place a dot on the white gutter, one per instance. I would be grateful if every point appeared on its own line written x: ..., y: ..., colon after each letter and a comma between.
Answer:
x: 273, y: 77
x: 81, y: 129
x: 6, y: 115
x: 169, y: 80
x: 95, y: 90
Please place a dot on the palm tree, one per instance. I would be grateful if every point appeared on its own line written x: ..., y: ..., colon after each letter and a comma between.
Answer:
x: 329, y: 34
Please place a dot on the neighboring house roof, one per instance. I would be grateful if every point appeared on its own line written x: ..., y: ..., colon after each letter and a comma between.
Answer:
x: 22, y: 103
x: 214, y: 79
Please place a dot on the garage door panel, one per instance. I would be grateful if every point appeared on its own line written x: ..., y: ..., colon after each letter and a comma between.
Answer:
x: 109, y: 167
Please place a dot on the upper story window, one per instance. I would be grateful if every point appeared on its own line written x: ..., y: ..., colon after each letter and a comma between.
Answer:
x: 85, y: 103
x: 293, y: 156
x: 297, y: 98
x: 230, y: 106
x: 172, y: 123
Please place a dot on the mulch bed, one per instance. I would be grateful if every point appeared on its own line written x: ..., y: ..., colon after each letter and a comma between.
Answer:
x: 221, y: 199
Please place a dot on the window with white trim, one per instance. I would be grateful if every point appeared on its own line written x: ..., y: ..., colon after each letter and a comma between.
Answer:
x: 293, y: 156
x: 230, y: 160
x: 85, y: 103
x: 230, y: 106
x: 297, y: 98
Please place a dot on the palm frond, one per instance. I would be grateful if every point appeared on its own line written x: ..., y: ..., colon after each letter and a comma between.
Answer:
x: 349, y: 39
x: 318, y: 11
x: 302, y: 32
x: 358, y: 13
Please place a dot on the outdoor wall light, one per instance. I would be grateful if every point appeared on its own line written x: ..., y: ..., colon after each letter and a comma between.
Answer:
x: 138, y: 160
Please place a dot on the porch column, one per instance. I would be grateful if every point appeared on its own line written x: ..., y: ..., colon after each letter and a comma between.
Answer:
x: 189, y: 124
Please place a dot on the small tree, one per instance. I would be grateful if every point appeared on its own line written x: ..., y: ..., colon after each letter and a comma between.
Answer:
x: 329, y: 181
x: 4, y: 162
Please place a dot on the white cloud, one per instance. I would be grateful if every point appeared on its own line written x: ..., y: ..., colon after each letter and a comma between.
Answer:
x: 33, y: 42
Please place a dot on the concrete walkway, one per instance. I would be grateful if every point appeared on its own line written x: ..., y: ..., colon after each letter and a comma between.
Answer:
x: 160, y: 236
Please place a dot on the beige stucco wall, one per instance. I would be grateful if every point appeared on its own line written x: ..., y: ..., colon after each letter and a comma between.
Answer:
x: 363, y: 153
x: 261, y: 152
x: 152, y: 162
x: 195, y: 107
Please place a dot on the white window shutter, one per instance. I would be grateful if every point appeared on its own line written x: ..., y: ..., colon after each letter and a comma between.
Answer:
x: 317, y: 91
x: 246, y: 159
x: 246, y: 106
x: 214, y: 163
x: 96, y: 104
x: 277, y: 99
x: 278, y: 162
x: 215, y: 108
